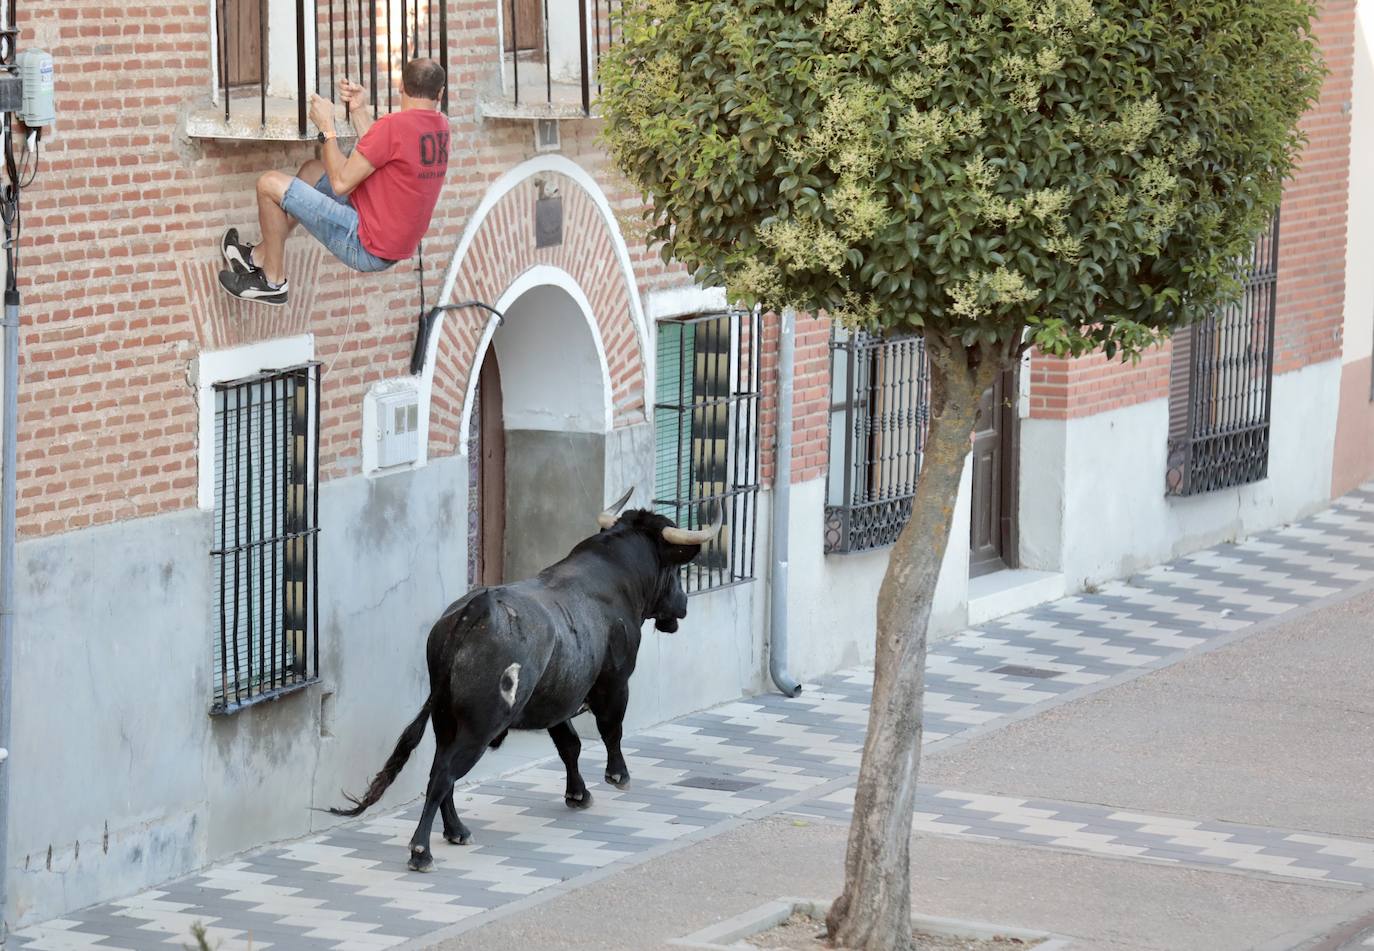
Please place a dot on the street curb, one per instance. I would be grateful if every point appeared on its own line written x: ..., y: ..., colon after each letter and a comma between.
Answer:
x: 729, y: 935
x: 1329, y: 932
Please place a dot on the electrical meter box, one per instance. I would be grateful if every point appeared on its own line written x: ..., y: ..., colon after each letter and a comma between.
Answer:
x: 36, y: 77
x: 398, y: 428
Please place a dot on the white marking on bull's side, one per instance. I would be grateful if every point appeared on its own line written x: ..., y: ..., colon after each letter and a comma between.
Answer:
x: 510, y: 680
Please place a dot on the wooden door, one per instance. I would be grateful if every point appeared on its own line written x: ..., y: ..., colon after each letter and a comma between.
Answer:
x: 992, y: 521
x: 243, y: 37
x: 491, y: 475
x: 525, y: 25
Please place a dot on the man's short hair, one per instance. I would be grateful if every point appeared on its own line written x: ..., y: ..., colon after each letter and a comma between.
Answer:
x: 423, y: 79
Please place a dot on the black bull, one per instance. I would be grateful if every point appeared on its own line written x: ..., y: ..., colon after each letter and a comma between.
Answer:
x: 532, y: 655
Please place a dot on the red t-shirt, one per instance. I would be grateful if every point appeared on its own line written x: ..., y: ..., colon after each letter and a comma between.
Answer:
x: 409, y: 150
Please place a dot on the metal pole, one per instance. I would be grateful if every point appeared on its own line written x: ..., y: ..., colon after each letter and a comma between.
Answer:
x: 782, y: 505
x: 582, y: 42
x: 7, y: 537
x: 300, y: 67
x: 8, y: 456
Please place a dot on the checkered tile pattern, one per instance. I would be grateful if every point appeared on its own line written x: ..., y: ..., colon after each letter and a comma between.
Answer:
x: 1102, y: 830
x: 349, y: 889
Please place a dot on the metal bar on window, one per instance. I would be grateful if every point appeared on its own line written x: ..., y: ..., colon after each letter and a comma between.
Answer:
x: 224, y: 54
x: 372, y: 55
x: 548, y: 62
x: 223, y: 462
x: 348, y: 54
x: 312, y: 389
x: 406, y: 35
x: 261, y: 546
x: 443, y: 46
x: 262, y: 60
x: 582, y: 55
x: 278, y: 515
x: 302, y: 90
x: 238, y: 521
x: 362, y: 62
x: 390, y: 81
x: 333, y: 73
x: 515, y: 46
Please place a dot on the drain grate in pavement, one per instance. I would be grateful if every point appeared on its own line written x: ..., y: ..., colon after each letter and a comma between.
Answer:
x: 719, y: 783
x: 1017, y: 670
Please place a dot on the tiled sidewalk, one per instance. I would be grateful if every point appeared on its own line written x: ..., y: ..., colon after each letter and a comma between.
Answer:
x: 349, y: 889
x: 1103, y: 830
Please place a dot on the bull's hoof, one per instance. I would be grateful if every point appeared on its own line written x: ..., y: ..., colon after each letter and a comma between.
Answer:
x: 579, y: 800
x: 421, y: 859
x: 619, y: 780
x: 462, y: 838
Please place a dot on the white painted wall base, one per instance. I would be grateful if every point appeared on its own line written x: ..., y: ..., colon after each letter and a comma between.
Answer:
x: 1092, y: 489
x: 833, y: 599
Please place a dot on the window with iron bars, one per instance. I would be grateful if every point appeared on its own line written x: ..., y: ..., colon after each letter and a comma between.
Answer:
x: 266, y: 536
x: 1221, y: 386
x: 879, y: 412
x: 706, y: 439
x: 550, y: 54
x: 366, y: 41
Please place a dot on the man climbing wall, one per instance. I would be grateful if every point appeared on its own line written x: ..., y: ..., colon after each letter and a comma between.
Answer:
x: 371, y: 208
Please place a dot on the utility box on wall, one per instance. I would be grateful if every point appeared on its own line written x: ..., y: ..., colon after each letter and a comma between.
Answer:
x: 398, y: 428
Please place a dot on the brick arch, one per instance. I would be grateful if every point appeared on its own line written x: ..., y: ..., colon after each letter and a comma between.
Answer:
x: 501, y: 249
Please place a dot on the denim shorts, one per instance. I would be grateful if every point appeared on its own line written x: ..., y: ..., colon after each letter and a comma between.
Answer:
x: 333, y: 220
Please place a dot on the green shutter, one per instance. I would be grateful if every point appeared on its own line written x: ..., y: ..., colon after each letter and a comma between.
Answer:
x: 672, y: 426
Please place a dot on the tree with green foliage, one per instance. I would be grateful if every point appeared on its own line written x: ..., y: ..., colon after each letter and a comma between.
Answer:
x: 1073, y: 175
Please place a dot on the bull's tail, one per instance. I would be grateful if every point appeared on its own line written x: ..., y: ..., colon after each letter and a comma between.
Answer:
x: 383, y: 780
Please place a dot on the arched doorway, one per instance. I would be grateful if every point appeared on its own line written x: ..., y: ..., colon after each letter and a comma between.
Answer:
x: 540, y: 416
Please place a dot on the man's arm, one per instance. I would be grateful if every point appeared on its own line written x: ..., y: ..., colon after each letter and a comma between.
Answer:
x: 345, y: 173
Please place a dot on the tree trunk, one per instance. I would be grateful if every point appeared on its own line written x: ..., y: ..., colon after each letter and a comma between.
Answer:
x: 874, y: 911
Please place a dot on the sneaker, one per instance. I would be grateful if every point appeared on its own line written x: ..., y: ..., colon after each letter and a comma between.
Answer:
x: 253, y: 286
x: 238, y: 254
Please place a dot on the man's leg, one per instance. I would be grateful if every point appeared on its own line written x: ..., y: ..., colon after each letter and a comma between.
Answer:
x: 276, y: 224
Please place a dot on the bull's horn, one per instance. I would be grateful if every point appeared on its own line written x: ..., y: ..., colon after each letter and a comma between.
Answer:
x: 608, y: 518
x: 700, y: 536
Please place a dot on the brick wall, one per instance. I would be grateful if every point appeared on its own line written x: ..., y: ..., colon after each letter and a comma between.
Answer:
x: 810, y: 392
x: 1311, y: 283
x: 119, y: 262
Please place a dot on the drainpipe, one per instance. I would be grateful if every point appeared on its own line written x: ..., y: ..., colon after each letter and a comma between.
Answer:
x: 782, y: 504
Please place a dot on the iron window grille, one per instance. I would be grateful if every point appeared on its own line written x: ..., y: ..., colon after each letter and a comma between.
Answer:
x: 367, y: 41
x: 706, y: 439
x: 266, y: 536
x: 879, y: 414
x: 550, y: 54
x: 1221, y: 386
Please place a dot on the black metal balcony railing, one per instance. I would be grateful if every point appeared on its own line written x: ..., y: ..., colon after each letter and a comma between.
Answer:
x: 367, y: 41
x: 550, y: 51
